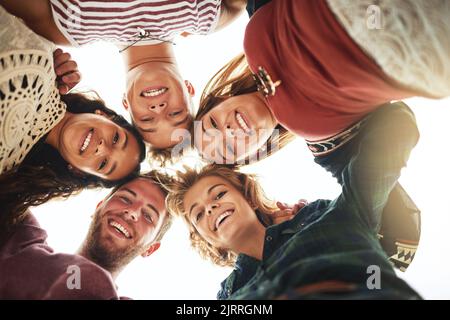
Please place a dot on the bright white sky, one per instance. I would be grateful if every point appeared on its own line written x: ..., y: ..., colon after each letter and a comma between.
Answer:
x: 176, y: 271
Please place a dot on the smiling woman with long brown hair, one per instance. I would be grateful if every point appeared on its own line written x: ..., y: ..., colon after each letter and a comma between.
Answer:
x: 53, y: 145
x: 45, y: 173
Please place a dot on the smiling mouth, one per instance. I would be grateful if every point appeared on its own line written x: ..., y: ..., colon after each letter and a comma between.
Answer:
x: 243, y: 123
x: 154, y: 92
x: 120, y: 229
x: 222, y: 217
x: 86, y: 141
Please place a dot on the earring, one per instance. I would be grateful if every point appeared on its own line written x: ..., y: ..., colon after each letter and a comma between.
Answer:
x: 70, y: 167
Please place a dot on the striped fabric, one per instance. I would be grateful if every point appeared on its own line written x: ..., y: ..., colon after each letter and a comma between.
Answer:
x: 120, y: 22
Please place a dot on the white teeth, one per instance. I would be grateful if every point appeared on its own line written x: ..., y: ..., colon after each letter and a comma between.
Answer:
x: 86, y: 141
x: 242, y: 123
x: 120, y: 228
x: 222, y: 217
x: 154, y: 93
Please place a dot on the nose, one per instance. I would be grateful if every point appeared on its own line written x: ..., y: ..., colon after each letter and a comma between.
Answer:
x: 131, y: 215
x: 101, y: 147
x: 212, y: 207
x: 158, y: 108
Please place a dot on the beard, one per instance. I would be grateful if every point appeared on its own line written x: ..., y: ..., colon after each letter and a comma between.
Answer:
x: 109, y: 257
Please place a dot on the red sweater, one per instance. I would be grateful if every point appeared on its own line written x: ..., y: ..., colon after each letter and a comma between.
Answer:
x: 328, y: 82
x: 31, y: 270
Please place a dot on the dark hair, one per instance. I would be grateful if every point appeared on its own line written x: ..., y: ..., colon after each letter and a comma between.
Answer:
x: 44, y: 174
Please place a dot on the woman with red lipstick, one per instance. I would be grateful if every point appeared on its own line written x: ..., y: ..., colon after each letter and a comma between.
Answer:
x: 52, y: 145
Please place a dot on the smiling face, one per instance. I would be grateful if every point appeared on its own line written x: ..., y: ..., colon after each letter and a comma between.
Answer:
x: 234, y: 129
x: 131, y: 218
x: 220, y: 213
x: 94, y: 144
x: 159, y: 102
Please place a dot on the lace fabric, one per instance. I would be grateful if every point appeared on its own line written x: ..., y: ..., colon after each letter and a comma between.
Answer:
x: 30, y: 104
x: 408, y: 39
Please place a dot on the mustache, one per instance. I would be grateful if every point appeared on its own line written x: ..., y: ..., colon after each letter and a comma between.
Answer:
x: 106, y: 254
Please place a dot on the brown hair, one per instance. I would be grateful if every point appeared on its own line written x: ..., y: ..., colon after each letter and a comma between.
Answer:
x: 246, y: 184
x: 234, y: 79
x: 44, y: 174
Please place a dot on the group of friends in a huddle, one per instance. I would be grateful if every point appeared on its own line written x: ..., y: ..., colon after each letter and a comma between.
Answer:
x: 332, y: 72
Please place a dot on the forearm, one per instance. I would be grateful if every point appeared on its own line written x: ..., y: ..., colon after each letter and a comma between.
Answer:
x: 383, y: 149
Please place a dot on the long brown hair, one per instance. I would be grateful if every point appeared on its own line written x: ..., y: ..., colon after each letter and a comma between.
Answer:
x: 246, y: 184
x: 44, y: 174
x: 234, y: 79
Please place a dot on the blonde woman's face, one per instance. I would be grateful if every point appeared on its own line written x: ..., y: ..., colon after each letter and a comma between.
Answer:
x: 234, y: 129
x: 219, y: 212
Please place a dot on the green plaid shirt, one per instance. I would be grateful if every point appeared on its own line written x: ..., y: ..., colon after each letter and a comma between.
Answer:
x: 337, y: 240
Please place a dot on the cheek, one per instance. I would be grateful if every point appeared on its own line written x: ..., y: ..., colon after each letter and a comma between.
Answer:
x: 145, y: 234
x: 86, y: 165
x: 205, y: 233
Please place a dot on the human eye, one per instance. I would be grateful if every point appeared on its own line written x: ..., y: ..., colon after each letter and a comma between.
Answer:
x: 174, y: 114
x: 198, y: 216
x: 102, y: 164
x: 125, y: 199
x: 116, y: 138
x: 220, y: 195
x: 213, y: 123
x: 148, y: 217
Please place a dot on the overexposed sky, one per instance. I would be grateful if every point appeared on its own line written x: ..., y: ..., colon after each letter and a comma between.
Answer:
x: 176, y: 271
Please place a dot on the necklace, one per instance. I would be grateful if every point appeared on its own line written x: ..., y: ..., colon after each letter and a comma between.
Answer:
x: 143, y: 34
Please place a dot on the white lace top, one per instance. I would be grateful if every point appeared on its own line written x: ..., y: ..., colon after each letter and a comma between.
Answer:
x: 408, y: 39
x: 30, y: 104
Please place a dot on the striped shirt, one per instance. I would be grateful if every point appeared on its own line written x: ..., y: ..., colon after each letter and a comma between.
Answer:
x: 121, y: 22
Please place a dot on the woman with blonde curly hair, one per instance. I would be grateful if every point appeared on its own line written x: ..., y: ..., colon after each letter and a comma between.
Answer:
x: 326, y: 250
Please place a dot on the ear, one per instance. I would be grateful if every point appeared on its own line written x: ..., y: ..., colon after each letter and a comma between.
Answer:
x: 252, y: 205
x: 190, y: 88
x: 151, y: 249
x: 125, y: 102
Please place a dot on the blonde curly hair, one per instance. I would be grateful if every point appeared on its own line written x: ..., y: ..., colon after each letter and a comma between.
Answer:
x: 246, y: 184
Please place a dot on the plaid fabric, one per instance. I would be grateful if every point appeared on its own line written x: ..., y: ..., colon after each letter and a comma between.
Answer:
x: 399, y: 231
x: 337, y: 240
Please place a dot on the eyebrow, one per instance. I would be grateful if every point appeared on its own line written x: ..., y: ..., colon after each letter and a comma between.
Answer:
x: 113, y: 167
x: 130, y: 191
x: 221, y: 155
x: 209, y: 192
x: 147, y: 130
x: 126, y: 141
x: 152, y: 207
x: 176, y: 124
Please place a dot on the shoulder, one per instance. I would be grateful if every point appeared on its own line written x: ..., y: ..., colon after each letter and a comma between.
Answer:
x: 83, y: 279
x: 226, y: 287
